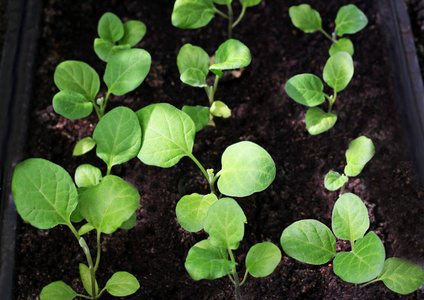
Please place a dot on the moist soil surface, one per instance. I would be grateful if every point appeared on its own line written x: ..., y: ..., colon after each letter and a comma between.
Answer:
x: 155, y: 250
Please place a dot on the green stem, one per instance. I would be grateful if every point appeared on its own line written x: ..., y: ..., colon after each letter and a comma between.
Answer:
x: 220, y: 13
x: 84, y: 296
x: 99, y: 250
x: 230, y: 21
x: 103, y: 107
x: 328, y: 36
x: 96, y: 108
x: 244, y: 278
x: 243, y: 10
x: 369, y: 282
x: 210, y: 90
x: 210, y: 180
x: 109, y: 169
x: 235, y: 276
x: 331, y: 100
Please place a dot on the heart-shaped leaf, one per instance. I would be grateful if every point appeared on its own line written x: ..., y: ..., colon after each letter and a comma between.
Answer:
x: 87, y: 176
x: 309, y: 241
x: 305, y: 18
x: 364, y: 263
x: 193, y: 64
x: 192, y: 13
x: 220, y: 109
x: 317, y: 121
x: 134, y: 32
x: 246, y: 169
x: 306, y: 89
x: 199, y: 114
x: 57, y: 290
x: 360, y: 151
x: 342, y: 45
x: 350, y: 20
x: 262, y: 259
x: 72, y: 105
x: 167, y: 135
x: 232, y: 54
x: 110, y: 27
x: 333, y: 181
x: 83, y: 146
x: 85, y: 275
x: 105, y: 49
x: 192, y: 209
x: 122, y: 284
x: 338, y: 70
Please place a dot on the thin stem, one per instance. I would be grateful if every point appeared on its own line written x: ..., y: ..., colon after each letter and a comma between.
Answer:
x: 332, y: 99
x: 103, y: 107
x: 342, y: 189
x: 328, y: 36
x: 210, y: 90
x: 205, y: 173
x: 98, y: 251
x: 230, y: 20
x: 235, y: 276
x: 220, y: 13
x: 96, y: 108
x: 369, y: 282
x: 243, y: 10
x: 244, y: 278
x: 109, y: 169
x: 84, y: 296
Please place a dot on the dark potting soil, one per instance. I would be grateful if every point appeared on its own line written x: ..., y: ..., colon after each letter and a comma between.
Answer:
x: 155, y: 250
x: 416, y: 13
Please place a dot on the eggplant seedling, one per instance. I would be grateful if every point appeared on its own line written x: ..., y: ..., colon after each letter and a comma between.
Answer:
x: 349, y: 20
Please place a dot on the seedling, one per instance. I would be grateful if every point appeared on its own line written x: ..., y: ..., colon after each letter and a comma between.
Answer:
x: 360, y: 151
x: 349, y: 20
x: 116, y: 36
x: 213, y: 258
x: 198, y: 13
x: 194, y: 65
x: 308, y: 90
x: 312, y: 242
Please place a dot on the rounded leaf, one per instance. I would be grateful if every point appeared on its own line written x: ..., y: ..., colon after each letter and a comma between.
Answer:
x: 246, y: 169
x: 110, y: 27
x: 194, y: 77
x: 262, y: 259
x: 105, y: 49
x: 85, y: 275
x: 338, y: 70
x: 134, y: 32
x: 333, y: 181
x: 126, y: 70
x: 317, y: 121
x: 44, y: 193
x: 360, y: 151
x: 248, y: 3
x: 122, y: 284
x: 192, y: 13
x: 350, y: 19
x: 199, y: 114
x: 306, y: 89
x: 57, y: 290
x: 232, y: 54
x: 342, y: 45
x: 83, y: 146
x: 193, y: 64
x: 305, y: 18
x: 220, y: 109
x: 87, y: 175
x: 192, y: 209
x: 309, y: 241
x: 72, y: 105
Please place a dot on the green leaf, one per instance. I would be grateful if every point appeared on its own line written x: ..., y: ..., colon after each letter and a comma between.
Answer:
x: 350, y: 20
x: 134, y: 31
x: 401, y: 276
x: 364, y: 263
x: 232, y: 54
x: 192, y: 13
x: 57, y: 290
x: 305, y: 89
x: 350, y: 218
x: 262, y: 259
x: 309, y: 241
x: 220, y: 109
x: 44, y: 193
x: 126, y: 70
x: 87, y: 175
x: 130, y: 223
x: 167, y: 135
x: 105, y: 49
x: 305, y: 18
x: 78, y: 77
x: 85, y: 275
x: 193, y: 64
x: 206, y: 261
x: 360, y: 151
x: 342, y: 45
x: 110, y: 27
x: 118, y: 136
x: 199, y: 114
x: 85, y: 228
x: 224, y: 223
x: 191, y: 210
x: 76, y: 216
x: 246, y: 169
x: 333, y: 181
x: 72, y: 105
x: 338, y: 70
x: 249, y: 3
x: 83, y: 146
x: 110, y: 203
x: 223, y: 2
x: 122, y: 284
x: 317, y: 121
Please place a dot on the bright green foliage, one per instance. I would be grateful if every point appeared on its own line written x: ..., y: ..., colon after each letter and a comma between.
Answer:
x: 342, y: 45
x: 220, y: 109
x: 44, y: 193
x: 333, y: 180
x: 167, y: 135
x: 318, y: 121
x: 401, y: 276
x: 83, y: 146
x: 232, y: 54
x: 110, y: 27
x: 134, y: 32
x: 306, y: 89
x: 87, y: 176
x: 309, y: 241
x: 262, y: 259
x: 360, y: 151
x: 122, y: 284
x: 72, y: 105
x: 192, y: 209
x: 338, y: 71
x: 57, y: 290
x: 249, y: 3
x: 105, y: 49
x: 364, y: 263
x: 193, y: 64
x: 305, y: 18
x: 246, y: 169
x: 85, y: 275
x: 199, y: 114
x: 350, y: 20
x: 130, y: 223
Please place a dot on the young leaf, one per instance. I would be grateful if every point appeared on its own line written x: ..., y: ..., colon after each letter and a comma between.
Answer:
x: 199, y: 114
x: 360, y: 151
x: 232, y: 54
x: 206, y: 261
x: 44, y: 193
x: 220, y: 109
x: 364, y: 263
x: 223, y: 2
x: 126, y: 70
x: 193, y: 64
x: 246, y: 169
x: 249, y: 3
x: 167, y: 135
x: 401, y: 276
x: 333, y: 181
x: 305, y: 18
x: 225, y: 223
x: 309, y: 241
x: 85, y: 275
x: 122, y: 284
x: 130, y: 223
x: 105, y: 49
x: 134, y: 32
x: 87, y: 227
x: 350, y: 218
x: 338, y: 71
x: 110, y: 203
x: 262, y: 259
x: 305, y: 89
x: 317, y: 121
x: 118, y: 136
x: 192, y: 13
x: 57, y: 290
x: 349, y: 20
x: 87, y: 176
x: 72, y: 105
x: 110, y: 27
x: 83, y: 146
x: 191, y: 210
x: 78, y: 77
x: 342, y: 45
